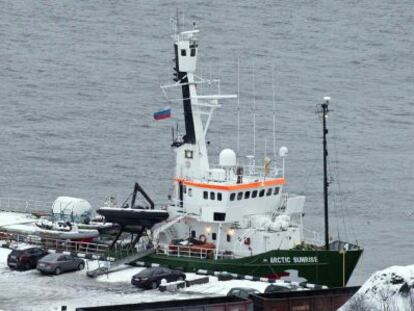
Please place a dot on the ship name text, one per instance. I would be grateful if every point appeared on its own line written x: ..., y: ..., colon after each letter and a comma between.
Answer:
x: 302, y: 259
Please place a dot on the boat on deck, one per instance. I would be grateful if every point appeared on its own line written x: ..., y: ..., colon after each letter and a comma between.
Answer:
x: 63, y: 222
x: 134, y: 218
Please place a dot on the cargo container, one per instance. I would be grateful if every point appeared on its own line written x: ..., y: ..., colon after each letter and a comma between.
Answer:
x: 201, y: 304
x: 308, y: 300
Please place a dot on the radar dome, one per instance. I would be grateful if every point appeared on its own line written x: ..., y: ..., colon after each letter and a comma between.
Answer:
x: 283, y: 152
x: 227, y: 158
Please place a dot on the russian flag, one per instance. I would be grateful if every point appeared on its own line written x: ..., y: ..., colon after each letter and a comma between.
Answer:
x: 163, y: 114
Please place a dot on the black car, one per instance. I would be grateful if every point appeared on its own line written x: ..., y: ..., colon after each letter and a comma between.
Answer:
x: 25, y: 259
x: 152, y: 277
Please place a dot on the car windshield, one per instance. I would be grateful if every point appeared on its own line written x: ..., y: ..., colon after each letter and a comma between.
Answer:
x: 16, y: 252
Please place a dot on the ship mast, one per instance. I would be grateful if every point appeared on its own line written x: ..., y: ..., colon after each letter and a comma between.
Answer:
x: 325, y: 110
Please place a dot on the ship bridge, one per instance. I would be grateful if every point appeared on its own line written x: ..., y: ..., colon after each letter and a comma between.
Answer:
x: 228, y: 192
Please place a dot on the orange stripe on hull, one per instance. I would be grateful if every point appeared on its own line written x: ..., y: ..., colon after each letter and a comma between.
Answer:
x: 234, y: 187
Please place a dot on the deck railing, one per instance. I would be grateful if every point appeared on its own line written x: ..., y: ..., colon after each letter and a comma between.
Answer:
x: 58, y: 245
x: 192, y: 252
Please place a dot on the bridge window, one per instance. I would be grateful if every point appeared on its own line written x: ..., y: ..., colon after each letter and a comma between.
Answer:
x: 228, y: 237
x: 183, y: 52
x: 232, y: 196
x: 193, y: 234
x: 193, y: 52
x: 219, y: 216
x: 276, y: 191
x: 219, y: 196
x: 214, y: 236
x: 212, y: 195
x: 269, y: 191
x: 205, y: 195
x: 261, y: 193
x: 240, y: 196
x: 254, y: 193
x: 247, y: 194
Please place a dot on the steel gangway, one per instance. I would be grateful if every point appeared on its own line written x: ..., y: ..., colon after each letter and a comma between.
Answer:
x: 113, y: 264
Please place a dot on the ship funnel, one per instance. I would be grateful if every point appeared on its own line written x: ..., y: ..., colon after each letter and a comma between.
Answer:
x: 227, y: 158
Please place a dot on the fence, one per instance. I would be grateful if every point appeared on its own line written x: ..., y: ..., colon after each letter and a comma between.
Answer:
x: 58, y: 245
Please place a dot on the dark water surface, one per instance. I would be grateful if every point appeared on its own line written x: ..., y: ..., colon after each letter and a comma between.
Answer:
x: 79, y: 82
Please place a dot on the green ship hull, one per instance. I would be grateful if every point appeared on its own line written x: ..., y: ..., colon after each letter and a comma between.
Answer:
x: 331, y: 268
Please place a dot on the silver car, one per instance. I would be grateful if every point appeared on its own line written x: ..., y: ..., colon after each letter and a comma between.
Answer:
x: 58, y: 263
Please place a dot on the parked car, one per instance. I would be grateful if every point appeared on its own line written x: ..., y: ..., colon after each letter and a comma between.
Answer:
x: 58, y: 263
x: 242, y: 292
x: 273, y: 288
x: 25, y: 259
x: 152, y: 277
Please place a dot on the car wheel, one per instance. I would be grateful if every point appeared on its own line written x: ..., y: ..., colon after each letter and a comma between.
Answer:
x: 154, y: 285
x: 57, y: 271
x: 81, y: 266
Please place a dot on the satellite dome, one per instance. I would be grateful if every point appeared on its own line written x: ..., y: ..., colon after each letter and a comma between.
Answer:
x: 227, y: 158
x: 283, y: 152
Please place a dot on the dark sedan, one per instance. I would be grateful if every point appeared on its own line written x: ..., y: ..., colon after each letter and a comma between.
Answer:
x: 151, y: 278
x: 25, y: 259
x: 58, y: 263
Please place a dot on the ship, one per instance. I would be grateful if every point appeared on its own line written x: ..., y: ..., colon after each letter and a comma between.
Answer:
x: 234, y: 216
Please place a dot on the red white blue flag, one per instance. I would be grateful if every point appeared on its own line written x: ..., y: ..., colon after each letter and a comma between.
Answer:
x: 162, y: 114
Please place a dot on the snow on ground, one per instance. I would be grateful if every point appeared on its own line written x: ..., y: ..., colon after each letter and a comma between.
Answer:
x: 9, y: 218
x: 391, y: 289
x: 214, y: 287
x: 29, y: 290
x: 3, y: 257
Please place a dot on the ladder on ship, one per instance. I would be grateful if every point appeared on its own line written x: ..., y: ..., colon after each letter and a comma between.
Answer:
x: 167, y: 226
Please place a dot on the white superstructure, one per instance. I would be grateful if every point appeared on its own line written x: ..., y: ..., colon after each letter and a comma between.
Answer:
x: 240, y: 210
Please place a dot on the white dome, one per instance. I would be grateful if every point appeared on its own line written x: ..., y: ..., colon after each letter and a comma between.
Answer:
x: 227, y: 158
x: 73, y: 209
x: 283, y: 152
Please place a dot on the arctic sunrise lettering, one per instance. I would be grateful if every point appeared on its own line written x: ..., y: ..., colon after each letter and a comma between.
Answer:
x: 294, y: 259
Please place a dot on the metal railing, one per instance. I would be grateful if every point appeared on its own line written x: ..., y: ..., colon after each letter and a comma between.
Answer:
x: 192, y: 252
x: 312, y: 237
x: 255, y: 171
x: 24, y: 206
x: 58, y: 245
